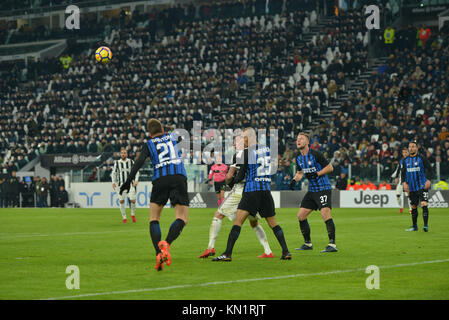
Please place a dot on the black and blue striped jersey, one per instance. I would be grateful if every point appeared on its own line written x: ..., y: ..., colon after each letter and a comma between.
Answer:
x: 165, y: 156
x: 314, y: 161
x: 256, y: 169
x: 416, y: 170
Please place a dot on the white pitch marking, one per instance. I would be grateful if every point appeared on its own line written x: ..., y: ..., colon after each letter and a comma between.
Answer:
x: 243, y: 280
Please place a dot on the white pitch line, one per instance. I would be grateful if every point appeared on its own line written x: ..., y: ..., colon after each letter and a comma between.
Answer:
x: 32, y: 235
x: 243, y: 280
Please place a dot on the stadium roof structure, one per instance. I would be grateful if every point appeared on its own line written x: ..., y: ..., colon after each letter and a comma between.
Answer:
x: 36, y: 50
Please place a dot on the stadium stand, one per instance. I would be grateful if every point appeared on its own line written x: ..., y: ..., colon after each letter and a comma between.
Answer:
x: 228, y: 67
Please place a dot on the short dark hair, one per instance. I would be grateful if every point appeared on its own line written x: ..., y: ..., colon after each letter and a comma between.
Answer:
x: 154, y: 126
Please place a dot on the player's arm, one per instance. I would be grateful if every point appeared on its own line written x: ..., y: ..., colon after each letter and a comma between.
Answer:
x: 114, y: 175
x: 298, y: 176
x: 327, y: 167
x: 429, y: 172
x: 144, y: 154
x: 230, y: 174
x: 242, y: 158
x: 136, y: 179
x: 403, y: 174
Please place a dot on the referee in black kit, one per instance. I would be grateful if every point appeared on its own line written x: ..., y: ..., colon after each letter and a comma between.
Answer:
x: 315, y: 167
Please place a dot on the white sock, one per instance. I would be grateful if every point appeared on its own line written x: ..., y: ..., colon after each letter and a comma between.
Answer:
x: 399, y: 198
x: 261, y: 235
x: 123, y: 210
x: 133, y: 208
x: 215, y: 227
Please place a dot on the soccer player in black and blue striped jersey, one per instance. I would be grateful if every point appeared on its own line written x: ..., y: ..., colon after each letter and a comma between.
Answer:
x: 169, y: 182
x: 416, y: 175
x: 256, y: 196
x: 315, y: 167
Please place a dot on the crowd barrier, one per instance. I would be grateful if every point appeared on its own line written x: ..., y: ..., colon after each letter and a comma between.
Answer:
x: 101, y: 195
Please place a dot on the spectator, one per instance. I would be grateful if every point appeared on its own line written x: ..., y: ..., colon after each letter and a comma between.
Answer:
x: 43, y: 188
x: 53, y: 190
x: 3, y: 192
x: 353, y: 185
x: 13, y: 190
x: 342, y: 182
x: 384, y: 186
x: 62, y: 197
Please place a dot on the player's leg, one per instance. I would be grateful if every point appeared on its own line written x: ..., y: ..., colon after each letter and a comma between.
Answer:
x: 132, y: 199
x: 279, y: 234
x: 122, y: 203
x: 179, y: 198
x: 305, y: 228
x: 330, y: 226
x: 155, y: 232
x: 414, y: 201
x: 262, y: 236
x: 214, y: 229
x: 425, y: 210
x: 240, y: 217
x: 399, y: 193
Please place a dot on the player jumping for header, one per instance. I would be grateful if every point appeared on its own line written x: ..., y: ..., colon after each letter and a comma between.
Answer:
x: 169, y: 182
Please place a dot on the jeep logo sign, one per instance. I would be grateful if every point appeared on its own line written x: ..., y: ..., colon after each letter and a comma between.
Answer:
x: 368, y: 199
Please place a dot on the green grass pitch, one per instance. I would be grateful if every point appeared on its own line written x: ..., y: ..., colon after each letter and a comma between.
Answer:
x: 116, y: 261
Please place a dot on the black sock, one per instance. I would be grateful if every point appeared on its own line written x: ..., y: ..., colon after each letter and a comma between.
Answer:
x: 330, y: 226
x: 425, y: 214
x: 232, y: 238
x: 305, y: 230
x: 415, y: 217
x: 175, y: 230
x: 277, y: 230
x: 155, y: 233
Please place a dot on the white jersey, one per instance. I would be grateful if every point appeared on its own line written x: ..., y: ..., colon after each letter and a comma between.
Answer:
x: 121, y: 171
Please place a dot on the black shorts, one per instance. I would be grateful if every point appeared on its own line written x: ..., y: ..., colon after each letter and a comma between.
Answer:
x: 219, y: 186
x: 317, y: 200
x: 173, y: 187
x: 418, y: 196
x: 258, y: 202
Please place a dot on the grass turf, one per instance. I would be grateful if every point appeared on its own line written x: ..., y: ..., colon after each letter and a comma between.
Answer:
x: 116, y: 261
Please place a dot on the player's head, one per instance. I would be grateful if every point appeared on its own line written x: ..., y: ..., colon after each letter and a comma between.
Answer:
x: 154, y: 127
x: 123, y: 153
x: 413, y: 147
x: 404, y: 152
x: 302, y: 140
x: 249, y: 136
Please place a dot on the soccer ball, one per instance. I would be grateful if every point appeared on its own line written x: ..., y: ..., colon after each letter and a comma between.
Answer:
x: 103, y: 54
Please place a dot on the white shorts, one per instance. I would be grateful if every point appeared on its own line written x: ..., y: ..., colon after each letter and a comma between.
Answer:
x: 131, y: 194
x: 231, y: 201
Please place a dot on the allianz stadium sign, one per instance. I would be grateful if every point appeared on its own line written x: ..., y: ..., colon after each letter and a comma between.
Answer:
x: 68, y: 160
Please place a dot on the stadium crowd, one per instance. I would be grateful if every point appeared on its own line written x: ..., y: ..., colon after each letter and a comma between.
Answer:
x: 241, y: 69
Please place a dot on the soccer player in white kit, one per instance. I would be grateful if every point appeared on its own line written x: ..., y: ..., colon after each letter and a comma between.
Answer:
x: 228, y: 207
x: 120, y: 172
x: 397, y: 179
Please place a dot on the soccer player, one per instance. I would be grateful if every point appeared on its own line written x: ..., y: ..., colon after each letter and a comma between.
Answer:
x: 398, y: 180
x: 169, y: 182
x: 218, y: 175
x: 416, y: 175
x: 315, y: 167
x: 229, y: 206
x: 256, y: 197
x: 120, y: 173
